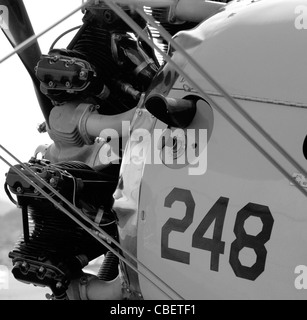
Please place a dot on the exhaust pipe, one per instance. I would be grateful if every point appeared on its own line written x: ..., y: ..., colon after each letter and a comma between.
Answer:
x: 89, y: 287
x: 177, y: 113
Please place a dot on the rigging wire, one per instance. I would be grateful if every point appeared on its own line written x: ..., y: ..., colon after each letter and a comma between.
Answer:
x: 25, y: 44
x: 233, y: 122
x: 221, y: 90
x: 109, y: 239
x: 128, y: 20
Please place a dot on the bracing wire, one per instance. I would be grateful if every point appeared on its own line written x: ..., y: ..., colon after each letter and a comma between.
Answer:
x: 166, y: 35
x: 108, y: 238
x: 220, y: 89
x: 243, y: 132
x: 25, y: 44
x: 17, y: 50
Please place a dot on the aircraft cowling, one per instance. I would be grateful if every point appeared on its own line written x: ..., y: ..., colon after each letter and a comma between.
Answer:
x: 254, y: 50
x: 262, y: 41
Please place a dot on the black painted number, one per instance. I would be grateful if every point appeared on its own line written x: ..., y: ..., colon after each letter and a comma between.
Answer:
x: 216, y: 215
x: 255, y: 243
x: 216, y: 246
x: 186, y: 197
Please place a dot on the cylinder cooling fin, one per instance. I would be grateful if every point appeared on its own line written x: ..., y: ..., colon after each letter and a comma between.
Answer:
x: 107, y: 66
x: 54, y: 249
x: 105, y: 63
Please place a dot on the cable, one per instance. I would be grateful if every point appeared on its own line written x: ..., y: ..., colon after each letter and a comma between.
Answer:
x: 96, y: 234
x: 7, y: 191
x: 245, y: 134
x: 62, y: 35
x: 34, y: 38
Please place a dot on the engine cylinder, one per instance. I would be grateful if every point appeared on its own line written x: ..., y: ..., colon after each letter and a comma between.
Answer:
x: 54, y: 248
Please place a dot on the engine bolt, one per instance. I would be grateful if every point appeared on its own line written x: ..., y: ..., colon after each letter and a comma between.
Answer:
x: 53, y: 182
x: 82, y: 75
x: 59, y: 285
x: 19, y: 190
x: 24, y: 267
x: 53, y: 59
x: 67, y: 84
x: 100, y: 140
x: 51, y: 84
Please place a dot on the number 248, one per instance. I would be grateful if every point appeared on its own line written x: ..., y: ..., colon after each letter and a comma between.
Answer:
x: 215, y: 245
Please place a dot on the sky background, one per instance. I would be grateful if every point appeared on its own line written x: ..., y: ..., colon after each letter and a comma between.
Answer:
x: 20, y: 112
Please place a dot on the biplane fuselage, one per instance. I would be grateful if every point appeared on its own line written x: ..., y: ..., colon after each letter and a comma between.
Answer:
x: 230, y: 226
